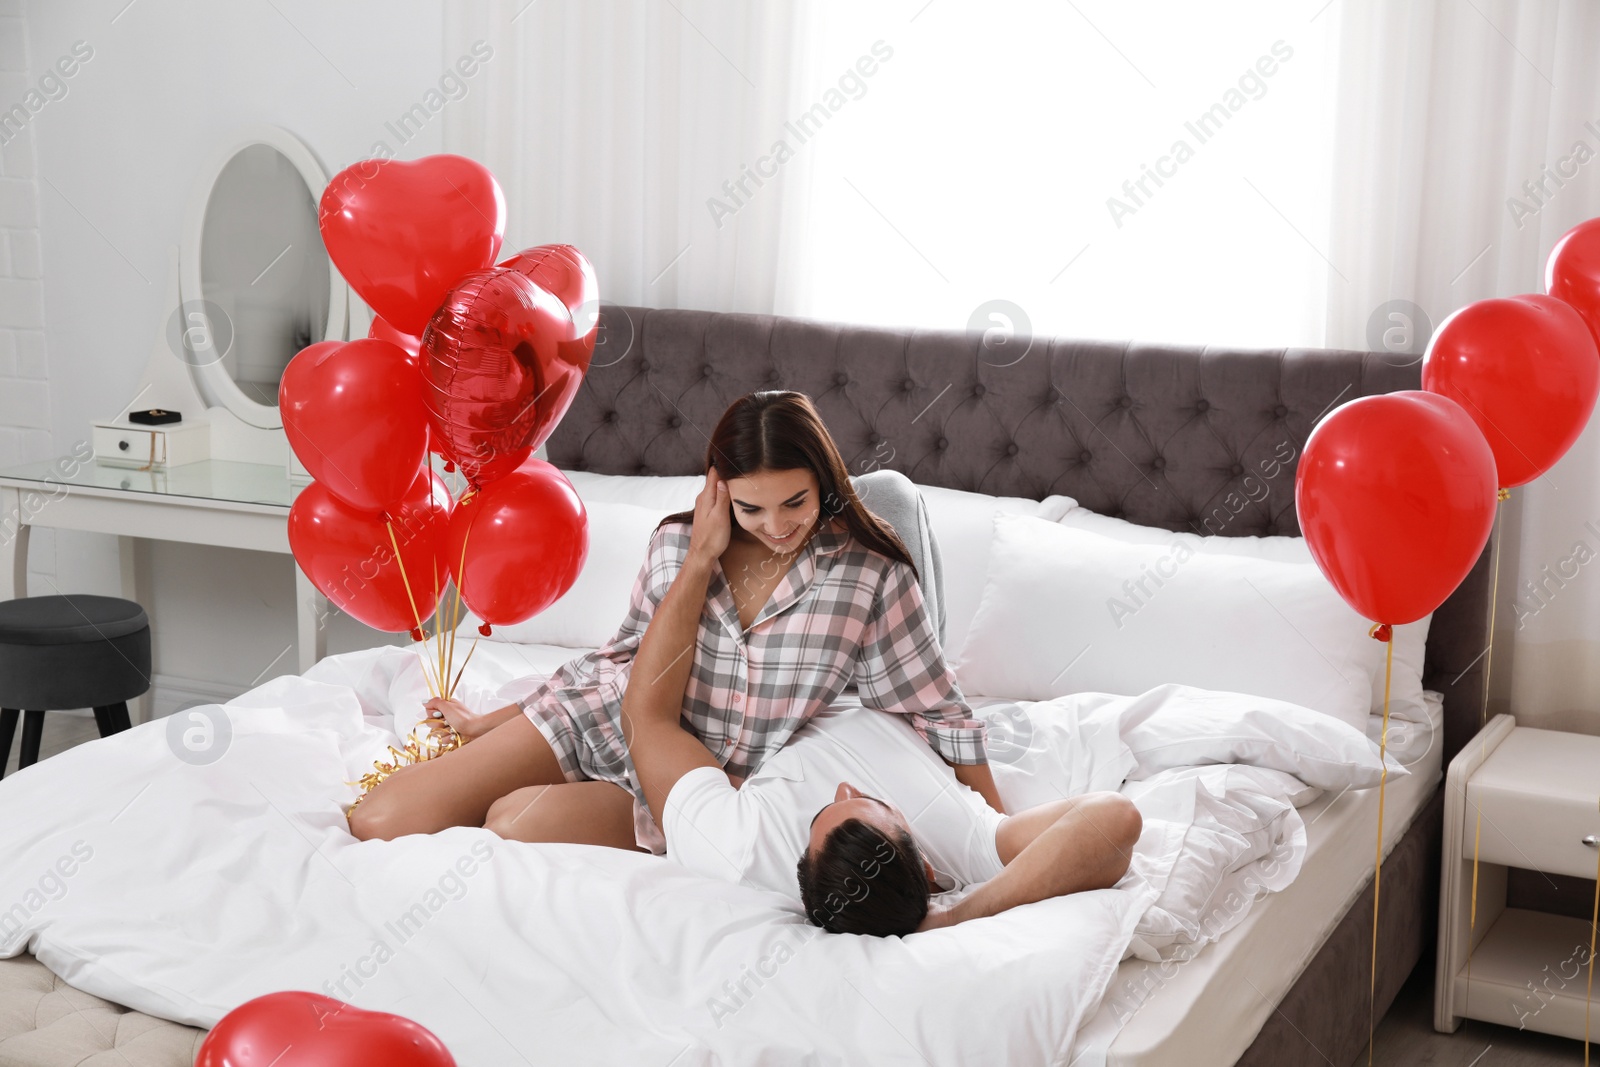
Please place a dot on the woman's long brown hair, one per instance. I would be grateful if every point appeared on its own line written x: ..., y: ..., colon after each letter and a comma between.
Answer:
x: 780, y: 430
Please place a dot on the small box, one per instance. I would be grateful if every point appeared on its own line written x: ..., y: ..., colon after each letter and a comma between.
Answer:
x: 154, y: 417
x: 126, y: 444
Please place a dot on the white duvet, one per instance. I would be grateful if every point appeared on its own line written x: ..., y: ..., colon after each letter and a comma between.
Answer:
x: 182, y: 888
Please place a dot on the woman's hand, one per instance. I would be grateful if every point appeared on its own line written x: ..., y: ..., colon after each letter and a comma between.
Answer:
x: 713, y: 522
x: 456, y: 716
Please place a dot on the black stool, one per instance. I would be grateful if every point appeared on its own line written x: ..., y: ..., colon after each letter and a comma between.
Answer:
x: 74, y: 651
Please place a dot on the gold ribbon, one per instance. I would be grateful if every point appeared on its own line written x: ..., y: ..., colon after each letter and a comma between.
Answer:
x: 418, y: 749
x: 1588, y: 995
x: 1377, y: 869
x: 1483, y: 720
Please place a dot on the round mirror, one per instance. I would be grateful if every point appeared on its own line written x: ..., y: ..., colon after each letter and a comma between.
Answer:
x: 254, y: 272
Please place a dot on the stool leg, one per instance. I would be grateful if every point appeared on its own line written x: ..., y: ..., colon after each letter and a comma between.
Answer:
x: 116, y: 718
x: 32, y: 733
x: 8, y: 730
x: 103, y: 721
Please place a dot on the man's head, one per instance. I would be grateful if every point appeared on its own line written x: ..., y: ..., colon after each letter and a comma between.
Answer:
x: 861, y: 872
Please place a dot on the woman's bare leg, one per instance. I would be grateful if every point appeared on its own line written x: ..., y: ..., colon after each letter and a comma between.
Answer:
x: 580, y: 813
x: 457, y: 788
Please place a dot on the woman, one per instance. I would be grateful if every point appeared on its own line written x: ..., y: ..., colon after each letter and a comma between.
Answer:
x: 811, y: 593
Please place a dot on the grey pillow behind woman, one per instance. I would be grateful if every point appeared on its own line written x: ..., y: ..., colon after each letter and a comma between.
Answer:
x: 894, y: 498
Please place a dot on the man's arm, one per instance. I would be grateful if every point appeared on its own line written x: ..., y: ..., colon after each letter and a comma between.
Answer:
x: 652, y: 704
x: 1085, y: 842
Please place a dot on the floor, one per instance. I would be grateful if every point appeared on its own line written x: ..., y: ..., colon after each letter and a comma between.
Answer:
x: 61, y: 732
x: 1405, y: 1038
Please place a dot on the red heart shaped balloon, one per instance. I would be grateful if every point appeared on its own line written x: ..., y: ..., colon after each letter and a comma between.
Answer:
x: 566, y: 273
x: 349, y: 557
x: 402, y: 233
x: 525, y: 536
x: 299, y: 1029
x: 353, y: 414
x: 1527, y: 371
x: 1396, y: 497
x: 499, y: 370
x: 381, y: 330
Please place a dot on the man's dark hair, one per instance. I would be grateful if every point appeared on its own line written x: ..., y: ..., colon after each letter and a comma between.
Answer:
x: 862, y: 881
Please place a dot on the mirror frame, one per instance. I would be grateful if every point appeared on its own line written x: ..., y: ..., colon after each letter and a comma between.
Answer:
x: 212, y: 375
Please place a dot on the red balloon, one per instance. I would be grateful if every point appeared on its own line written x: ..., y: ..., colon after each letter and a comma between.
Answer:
x: 299, y: 1029
x: 1526, y: 369
x: 354, y: 416
x: 499, y: 370
x: 382, y: 331
x: 1572, y: 273
x: 565, y: 272
x: 349, y: 557
x: 1396, y: 496
x: 526, y: 537
x: 402, y: 233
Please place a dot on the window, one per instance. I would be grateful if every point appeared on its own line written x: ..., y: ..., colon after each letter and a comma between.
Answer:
x: 1152, y: 171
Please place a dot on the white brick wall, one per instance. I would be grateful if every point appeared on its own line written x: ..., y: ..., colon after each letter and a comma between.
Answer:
x: 24, y: 367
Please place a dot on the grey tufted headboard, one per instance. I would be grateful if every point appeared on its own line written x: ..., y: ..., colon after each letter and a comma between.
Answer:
x: 1178, y: 437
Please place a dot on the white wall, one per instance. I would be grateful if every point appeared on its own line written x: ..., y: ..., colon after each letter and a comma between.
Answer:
x: 116, y: 157
x: 24, y: 371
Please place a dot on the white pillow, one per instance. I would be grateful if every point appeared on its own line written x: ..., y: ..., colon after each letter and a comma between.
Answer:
x: 590, y: 612
x: 963, y: 524
x: 664, y: 493
x: 1410, y: 640
x: 1067, y: 611
x: 1176, y: 726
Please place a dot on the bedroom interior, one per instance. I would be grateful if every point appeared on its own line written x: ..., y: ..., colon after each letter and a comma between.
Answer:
x: 299, y: 300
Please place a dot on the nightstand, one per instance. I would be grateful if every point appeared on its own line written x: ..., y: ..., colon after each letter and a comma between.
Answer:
x: 1538, y: 792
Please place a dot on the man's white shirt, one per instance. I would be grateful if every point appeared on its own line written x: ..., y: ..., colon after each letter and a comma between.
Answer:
x: 755, y: 834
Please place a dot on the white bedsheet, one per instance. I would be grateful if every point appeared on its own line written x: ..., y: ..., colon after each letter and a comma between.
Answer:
x: 1192, y: 1014
x: 183, y: 888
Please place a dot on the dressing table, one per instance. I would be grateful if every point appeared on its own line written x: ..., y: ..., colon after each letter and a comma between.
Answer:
x: 210, y: 502
x: 248, y: 286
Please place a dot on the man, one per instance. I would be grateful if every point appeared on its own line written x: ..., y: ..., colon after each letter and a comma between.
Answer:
x: 871, y: 858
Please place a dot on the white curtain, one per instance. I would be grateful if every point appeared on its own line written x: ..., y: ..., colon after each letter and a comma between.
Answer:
x: 1467, y: 141
x: 643, y: 133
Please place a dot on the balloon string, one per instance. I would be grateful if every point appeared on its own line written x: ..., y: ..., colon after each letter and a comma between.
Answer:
x: 455, y: 615
x: 415, y: 614
x: 438, y: 621
x: 1377, y: 869
x: 1483, y: 720
x: 464, y: 663
x: 1588, y: 996
x: 1494, y: 605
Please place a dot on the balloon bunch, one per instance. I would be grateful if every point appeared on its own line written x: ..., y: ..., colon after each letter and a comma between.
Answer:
x: 467, y: 358
x: 1398, y: 493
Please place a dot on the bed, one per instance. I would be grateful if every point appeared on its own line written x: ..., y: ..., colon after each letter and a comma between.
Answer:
x: 1157, y: 435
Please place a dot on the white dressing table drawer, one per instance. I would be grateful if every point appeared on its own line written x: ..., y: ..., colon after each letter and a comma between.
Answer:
x: 1539, y: 794
x: 125, y: 446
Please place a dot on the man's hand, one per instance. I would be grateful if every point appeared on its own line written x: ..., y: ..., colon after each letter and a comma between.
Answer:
x: 713, y: 522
